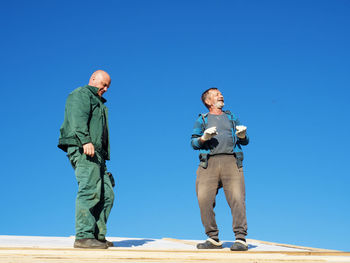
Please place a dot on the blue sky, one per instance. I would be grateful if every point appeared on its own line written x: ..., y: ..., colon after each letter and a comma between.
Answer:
x: 282, y: 66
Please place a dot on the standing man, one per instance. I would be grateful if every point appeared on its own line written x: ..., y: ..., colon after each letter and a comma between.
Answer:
x: 84, y: 136
x: 218, y: 136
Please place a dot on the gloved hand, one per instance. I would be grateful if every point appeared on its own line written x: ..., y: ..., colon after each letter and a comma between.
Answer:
x: 241, y: 131
x: 209, y: 133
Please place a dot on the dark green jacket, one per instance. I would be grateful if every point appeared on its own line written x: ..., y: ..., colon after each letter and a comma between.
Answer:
x: 85, y: 120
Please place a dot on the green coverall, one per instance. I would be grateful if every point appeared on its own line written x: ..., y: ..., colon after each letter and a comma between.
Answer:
x: 86, y: 121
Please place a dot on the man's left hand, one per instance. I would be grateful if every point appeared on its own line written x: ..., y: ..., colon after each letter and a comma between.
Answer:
x: 241, y: 131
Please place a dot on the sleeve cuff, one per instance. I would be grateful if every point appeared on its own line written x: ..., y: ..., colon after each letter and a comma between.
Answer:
x: 197, y: 143
x: 85, y: 140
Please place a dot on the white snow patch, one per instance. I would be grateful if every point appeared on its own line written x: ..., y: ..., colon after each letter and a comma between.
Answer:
x: 127, y: 243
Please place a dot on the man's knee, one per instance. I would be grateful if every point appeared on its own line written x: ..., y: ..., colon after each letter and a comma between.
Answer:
x: 89, y: 193
x: 89, y: 182
x: 206, y: 196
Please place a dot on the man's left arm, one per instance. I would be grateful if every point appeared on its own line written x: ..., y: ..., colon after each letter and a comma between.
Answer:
x: 241, y: 132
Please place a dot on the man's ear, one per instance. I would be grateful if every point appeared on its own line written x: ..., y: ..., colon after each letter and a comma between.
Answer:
x: 207, y: 102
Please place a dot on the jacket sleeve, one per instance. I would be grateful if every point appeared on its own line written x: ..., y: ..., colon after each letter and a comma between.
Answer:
x: 78, y: 110
x: 197, y: 132
x: 244, y: 141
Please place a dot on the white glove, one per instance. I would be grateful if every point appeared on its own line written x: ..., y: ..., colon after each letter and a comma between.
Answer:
x: 241, y: 131
x: 209, y: 133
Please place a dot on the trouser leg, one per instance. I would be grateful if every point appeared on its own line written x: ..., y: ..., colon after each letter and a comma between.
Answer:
x: 105, y: 206
x: 95, y: 194
x: 89, y: 193
x: 206, y: 189
x: 233, y: 183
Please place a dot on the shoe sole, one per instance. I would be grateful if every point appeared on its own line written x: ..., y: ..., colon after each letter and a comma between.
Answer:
x: 105, y: 247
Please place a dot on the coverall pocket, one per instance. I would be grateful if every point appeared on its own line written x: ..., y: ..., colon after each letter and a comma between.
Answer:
x: 73, y: 154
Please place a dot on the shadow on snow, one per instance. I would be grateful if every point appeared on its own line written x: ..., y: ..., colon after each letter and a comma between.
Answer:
x: 132, y: 243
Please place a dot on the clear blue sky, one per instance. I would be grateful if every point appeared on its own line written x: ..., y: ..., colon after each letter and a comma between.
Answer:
x: 283, y: 68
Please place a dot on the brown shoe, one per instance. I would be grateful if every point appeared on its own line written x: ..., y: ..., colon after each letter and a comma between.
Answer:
x: 108, y: 243
x: 89, y: 243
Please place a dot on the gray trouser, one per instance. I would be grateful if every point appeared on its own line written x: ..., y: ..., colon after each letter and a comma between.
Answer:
x: 222, y: 171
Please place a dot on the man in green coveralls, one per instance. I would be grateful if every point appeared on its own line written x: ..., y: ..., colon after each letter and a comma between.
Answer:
x: 84, y: 136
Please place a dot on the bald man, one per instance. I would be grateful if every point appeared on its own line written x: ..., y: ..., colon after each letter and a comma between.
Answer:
x: 84, y: 136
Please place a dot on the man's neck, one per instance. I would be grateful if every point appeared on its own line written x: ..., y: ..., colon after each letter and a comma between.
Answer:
x: 215, y: 111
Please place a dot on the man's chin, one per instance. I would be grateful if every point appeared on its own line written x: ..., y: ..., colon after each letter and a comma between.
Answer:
x: 219, y: 105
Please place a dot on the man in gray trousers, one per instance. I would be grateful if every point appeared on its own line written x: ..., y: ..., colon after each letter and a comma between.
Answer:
x: 218, y: 136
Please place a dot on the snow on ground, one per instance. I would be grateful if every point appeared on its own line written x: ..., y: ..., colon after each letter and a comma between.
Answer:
x: 128, y: 243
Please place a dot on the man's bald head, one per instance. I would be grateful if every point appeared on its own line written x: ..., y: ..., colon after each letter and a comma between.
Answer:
x: 101, y: 80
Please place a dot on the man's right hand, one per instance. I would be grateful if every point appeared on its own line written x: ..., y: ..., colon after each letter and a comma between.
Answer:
x: 89, y: 149
x: 209, y: 133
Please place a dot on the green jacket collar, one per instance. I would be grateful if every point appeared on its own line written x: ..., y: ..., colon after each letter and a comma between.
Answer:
x: 94, y: 91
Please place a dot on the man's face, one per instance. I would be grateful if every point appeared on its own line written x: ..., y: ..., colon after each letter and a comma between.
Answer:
x: 102, y: 82
x: 215, y: 99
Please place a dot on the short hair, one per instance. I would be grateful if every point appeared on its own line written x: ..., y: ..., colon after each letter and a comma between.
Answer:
x: 205, y: 95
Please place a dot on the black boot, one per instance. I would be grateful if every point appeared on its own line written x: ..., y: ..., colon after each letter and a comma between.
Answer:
x: 239, y: 245
x: 89, y: 243
x: 210, y: 244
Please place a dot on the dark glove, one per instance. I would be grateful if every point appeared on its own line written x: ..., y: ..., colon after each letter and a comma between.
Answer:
x: 111, y: 178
